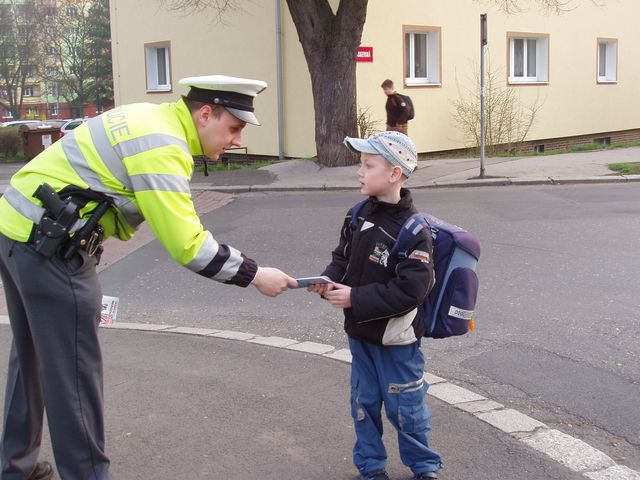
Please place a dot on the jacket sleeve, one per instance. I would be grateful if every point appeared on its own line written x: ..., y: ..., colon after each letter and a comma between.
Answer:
x: 409, y: 288
x: 340, y: 255
x: 403, y: 111
x: 164, y: 199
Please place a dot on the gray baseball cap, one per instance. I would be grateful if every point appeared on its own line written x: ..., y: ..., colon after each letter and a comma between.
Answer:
x: 395, y: 147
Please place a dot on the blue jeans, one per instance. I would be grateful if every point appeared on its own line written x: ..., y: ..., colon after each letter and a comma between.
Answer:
x: 392, y: 375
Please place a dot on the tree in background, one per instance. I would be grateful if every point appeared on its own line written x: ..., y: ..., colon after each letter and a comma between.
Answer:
x: 20, y: 51
x: 329, y: 41
x: 68, y: 43
x: 100, y: 64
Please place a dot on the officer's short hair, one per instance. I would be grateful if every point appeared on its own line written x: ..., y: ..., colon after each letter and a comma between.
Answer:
x: 195, y: 105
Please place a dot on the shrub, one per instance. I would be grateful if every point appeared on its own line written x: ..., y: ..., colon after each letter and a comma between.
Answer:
x: 9, y: 141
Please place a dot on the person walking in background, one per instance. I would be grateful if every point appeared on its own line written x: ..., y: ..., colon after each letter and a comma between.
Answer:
x: 397, y: 109
x: 380, y: 295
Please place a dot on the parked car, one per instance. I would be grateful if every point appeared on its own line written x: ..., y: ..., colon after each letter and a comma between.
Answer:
x: 70, y: 125
x: 19, y: 123
x: 55, y: 123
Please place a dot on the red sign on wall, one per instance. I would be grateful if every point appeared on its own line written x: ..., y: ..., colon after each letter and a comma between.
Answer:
x: 365, y: 54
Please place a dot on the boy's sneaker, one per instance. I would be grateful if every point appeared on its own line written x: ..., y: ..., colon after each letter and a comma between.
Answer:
x: 425, y: 476
x: 377, y: 475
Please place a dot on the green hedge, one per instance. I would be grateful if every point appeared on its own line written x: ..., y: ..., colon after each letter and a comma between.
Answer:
x: 9, y: 142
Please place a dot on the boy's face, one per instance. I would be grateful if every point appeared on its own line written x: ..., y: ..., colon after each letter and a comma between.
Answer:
x: 377, y: 176
x: 387, y: 90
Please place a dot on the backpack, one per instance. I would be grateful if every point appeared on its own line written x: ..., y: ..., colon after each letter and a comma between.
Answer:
x: 448, y: 309
x: 409, y: 103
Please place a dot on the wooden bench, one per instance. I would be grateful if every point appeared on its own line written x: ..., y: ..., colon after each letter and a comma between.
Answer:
x: 224, y: 158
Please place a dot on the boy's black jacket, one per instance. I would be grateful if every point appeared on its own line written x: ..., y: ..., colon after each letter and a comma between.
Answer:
x: 383, y: 288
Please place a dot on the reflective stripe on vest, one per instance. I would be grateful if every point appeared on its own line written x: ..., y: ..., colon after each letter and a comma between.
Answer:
x: 30, y: 210
x: 204, y: 255
x: 160, y: 182
x: 23, y: 205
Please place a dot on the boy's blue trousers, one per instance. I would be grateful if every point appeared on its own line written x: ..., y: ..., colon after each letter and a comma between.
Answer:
x: 392, y: 375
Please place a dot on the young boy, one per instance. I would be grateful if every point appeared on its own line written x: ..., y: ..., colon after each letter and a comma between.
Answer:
x: 379, y: 295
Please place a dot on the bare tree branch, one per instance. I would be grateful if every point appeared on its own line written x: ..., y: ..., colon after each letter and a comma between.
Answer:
x: 513, y: 7
x: 508, y: 121
x: 218, y: 7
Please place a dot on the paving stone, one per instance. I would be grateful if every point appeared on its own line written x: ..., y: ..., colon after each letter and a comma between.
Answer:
x: 453, y: 394
x: 571, y: 452
x: 273, y: 341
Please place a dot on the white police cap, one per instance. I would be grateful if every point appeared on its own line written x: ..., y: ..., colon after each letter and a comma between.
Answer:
x: 233, y: 93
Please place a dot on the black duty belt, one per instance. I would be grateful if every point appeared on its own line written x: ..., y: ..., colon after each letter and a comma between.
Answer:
x: 53, y: 234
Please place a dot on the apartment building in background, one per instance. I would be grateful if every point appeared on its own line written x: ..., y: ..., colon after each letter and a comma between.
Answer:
x: 33, y: 22
x: 579, y: 70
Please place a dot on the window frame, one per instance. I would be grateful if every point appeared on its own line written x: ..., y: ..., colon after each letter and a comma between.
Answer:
x: 433, y: 54
x: 611, y: 48
x: 153, y: 84
x: 29, y: 91
x: 542, y: 58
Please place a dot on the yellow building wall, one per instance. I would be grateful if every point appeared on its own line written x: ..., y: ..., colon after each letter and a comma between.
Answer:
x: 245, y: 45
x: 571, y: 104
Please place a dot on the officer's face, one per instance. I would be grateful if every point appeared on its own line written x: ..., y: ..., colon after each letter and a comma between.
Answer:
x: 218, y: 133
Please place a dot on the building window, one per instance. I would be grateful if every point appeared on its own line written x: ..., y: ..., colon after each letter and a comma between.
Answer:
x: 422, y: 55
x: 528, y: 59
x: 158, y: 59
x: 28, y: 91
x: 607, y: 60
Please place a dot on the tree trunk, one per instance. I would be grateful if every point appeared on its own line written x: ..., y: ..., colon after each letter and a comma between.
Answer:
x: 330, y: 43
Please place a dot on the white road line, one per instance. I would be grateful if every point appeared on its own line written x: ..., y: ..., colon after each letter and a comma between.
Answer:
x: 571, y: 452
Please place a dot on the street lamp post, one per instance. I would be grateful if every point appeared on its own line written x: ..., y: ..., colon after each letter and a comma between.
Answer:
x: 483, y: 42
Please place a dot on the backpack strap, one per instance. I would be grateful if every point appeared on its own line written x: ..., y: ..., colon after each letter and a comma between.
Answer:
x: 355, y: 211
x: 412, y: 226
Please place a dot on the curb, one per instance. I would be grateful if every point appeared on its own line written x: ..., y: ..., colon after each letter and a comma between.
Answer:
x: 488, y: 182
x: 574, y: 454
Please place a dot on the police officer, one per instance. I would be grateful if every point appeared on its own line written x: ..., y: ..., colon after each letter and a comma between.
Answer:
x: 130, y: 164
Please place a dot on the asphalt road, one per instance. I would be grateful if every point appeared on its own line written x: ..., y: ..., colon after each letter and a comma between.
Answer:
x: 557, y: 316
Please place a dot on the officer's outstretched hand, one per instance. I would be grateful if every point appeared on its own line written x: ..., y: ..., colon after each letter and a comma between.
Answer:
x: 272, y: 281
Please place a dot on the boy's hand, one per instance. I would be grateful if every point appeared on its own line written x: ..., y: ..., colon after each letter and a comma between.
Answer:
x: 272, y: 282
x: 339, y: 296
x: 320, y: 288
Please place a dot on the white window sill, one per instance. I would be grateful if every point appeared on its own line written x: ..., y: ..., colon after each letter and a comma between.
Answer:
x: 423, y: 84
x: 518, y: 81
x: 602, y: 80
x: 159, y: 90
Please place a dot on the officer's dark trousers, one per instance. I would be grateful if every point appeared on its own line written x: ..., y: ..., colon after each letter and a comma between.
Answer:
x: 55, y: 364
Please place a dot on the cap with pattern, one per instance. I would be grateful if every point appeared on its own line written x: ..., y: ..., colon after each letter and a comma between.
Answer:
x: 395, y: 147
x: 233, y: 93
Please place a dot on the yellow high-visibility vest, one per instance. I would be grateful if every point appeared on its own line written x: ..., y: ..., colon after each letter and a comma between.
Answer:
x: 141, y: 156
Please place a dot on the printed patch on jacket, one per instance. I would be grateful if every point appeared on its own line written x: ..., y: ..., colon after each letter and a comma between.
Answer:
x: 420, y: 255
x: 380, y: 255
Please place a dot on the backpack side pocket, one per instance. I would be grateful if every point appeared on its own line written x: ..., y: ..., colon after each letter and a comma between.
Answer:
x: 458, y: 304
